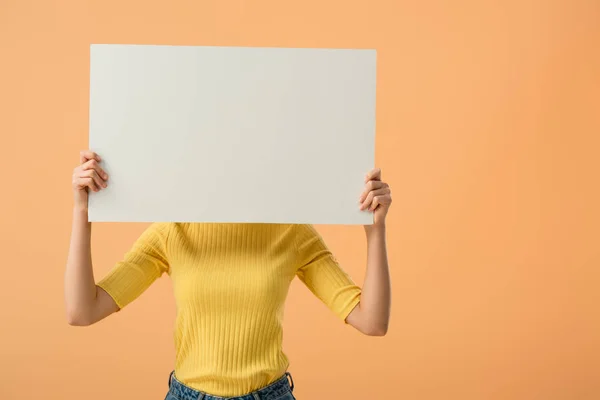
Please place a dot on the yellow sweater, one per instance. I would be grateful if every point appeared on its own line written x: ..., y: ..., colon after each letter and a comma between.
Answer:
x: 230, y: 283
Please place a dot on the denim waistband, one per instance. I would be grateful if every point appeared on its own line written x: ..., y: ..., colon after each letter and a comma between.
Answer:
x: 270, y: 392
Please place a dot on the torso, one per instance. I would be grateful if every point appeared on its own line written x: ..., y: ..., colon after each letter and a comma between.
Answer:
x: 230, y: 283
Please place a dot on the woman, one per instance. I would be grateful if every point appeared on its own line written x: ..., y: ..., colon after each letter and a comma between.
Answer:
x: 230, y: 283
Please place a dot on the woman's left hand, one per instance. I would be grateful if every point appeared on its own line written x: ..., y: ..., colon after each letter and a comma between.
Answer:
x: 377, y: 196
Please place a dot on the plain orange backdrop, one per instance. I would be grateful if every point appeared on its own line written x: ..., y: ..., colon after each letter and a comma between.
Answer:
x: 488, y: 125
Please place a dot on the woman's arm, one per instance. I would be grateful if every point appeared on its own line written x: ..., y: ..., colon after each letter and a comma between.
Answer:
x: 85, y: 302
x: 372, y: 314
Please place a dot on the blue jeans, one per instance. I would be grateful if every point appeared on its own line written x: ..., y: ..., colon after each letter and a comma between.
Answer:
x: 281, y: 389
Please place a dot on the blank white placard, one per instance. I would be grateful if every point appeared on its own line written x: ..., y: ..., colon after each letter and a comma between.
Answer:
x: 232, y: 134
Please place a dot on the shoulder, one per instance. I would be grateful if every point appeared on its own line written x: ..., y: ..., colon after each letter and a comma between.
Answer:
x: 160, y: 228
x: 306, y: 231
x: 156, y: 233
x: 307, y: 237
x: 303, y: 228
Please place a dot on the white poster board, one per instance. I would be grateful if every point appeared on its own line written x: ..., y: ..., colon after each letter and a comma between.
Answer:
x: 232, y: 134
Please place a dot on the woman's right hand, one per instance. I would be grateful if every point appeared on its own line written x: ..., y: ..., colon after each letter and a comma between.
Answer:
x: 85, y: 302
x: 88, y: 175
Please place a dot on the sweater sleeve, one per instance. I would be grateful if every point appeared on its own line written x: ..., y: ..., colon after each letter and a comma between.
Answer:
x: 321, y: 273
x: 145, y: 262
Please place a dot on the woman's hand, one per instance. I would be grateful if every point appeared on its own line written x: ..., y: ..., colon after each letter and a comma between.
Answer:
x: 372, y: 315
x: 88, y: 176
x: 85, y: 302
x: 377, y: 196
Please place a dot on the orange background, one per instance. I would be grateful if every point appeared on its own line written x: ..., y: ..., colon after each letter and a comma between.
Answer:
x: 488, y: 126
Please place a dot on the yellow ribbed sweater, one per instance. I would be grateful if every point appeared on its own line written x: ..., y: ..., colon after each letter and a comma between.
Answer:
x: 230, y: 283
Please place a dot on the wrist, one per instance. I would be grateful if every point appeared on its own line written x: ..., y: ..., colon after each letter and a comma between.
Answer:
x: 80, y: 207
x: 378, y: 228
x: 80, y: 210
x: 80, y: 201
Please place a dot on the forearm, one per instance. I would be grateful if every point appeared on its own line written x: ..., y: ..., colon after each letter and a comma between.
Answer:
x: 80, y: 287
x: 375, y: 301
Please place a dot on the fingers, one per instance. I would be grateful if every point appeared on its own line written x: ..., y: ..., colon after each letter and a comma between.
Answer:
x: 93, y: 165
x: 90, y: 173
x: 374, y: 175
x: 369, y: 187
x: 384, y: 200
x: 82, y: 183
x: 88, y: 179
x: 376, y: 193
x: 87, y: 155
x: 375, y: 197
